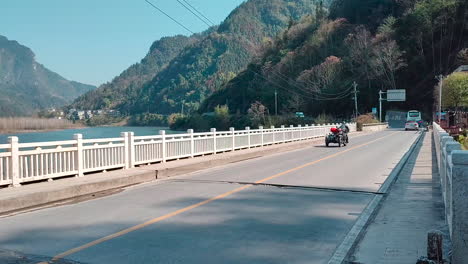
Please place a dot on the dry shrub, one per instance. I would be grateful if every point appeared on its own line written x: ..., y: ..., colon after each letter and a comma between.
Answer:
x: 26, y: 123
x: 365, y: 119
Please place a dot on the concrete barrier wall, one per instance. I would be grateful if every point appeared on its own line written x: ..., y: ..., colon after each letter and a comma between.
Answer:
x: 453, y: 169
x: 374, y: 127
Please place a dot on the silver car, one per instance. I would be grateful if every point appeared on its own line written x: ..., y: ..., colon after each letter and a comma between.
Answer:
x: 411, y: 125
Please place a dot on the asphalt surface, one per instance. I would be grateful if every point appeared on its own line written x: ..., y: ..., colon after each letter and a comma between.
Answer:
x: 293, y: 207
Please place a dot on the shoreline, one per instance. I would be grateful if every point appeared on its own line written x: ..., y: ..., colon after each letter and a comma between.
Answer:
x: 25, y: 131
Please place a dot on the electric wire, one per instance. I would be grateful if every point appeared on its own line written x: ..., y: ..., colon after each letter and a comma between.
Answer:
x: 308, y: 96
x: 173, y: 19
x: 200, y: 13
x: 191, y: 11
x: 302, y: 87
x: 318, y: 94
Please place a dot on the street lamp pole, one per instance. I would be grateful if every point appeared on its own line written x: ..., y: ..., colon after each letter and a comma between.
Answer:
x: 441, y: 81
x: 276, y: 102
x: 380, y: 103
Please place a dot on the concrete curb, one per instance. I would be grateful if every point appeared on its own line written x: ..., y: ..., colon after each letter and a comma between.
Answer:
x: 352, y: 238
x: 135, y: 176
x: 37, y: 199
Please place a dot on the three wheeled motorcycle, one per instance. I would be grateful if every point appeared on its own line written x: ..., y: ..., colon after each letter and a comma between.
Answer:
x: 338, y: 135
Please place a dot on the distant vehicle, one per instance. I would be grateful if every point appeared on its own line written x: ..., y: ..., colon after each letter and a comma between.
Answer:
x: 413, y: 115
x: 412, y: 125
x: 338, y: 135
x: 300, y: 114
x: 413, y: 120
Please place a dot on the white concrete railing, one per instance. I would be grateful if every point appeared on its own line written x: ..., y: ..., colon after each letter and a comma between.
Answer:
x: 453, y: 169
x: 27, y: 162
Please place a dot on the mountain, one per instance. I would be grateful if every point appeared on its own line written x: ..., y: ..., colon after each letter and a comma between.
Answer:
x: 205, y: 65
x: 27, y: 86
x: 128, y: 84
x: 377, y: 44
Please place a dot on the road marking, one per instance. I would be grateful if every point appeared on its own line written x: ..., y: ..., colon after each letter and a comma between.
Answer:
x: 188, y: 208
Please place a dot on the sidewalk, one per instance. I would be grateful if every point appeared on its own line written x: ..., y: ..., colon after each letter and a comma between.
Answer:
x: 413, y: 206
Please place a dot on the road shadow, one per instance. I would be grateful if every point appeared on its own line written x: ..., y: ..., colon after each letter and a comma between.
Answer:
x: 258, y: 225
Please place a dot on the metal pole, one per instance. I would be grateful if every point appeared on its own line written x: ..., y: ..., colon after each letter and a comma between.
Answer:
x: 380, y: 102
x: 441, y: 81
x: 276, y: 102
x: 182, y: 110
x: 355, y: 98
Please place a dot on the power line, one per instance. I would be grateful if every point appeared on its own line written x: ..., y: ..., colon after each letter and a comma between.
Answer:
x: 319, y: 95
x: 307, y: 95
x: 200, y: 13
x: 173, y: 19
x: 190, y: 10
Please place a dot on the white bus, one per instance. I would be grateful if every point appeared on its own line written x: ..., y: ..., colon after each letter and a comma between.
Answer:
x: 414, y: 115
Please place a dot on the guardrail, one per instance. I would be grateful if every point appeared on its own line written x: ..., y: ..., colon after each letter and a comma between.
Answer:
x: 453, y: 169
x: 27, y: 162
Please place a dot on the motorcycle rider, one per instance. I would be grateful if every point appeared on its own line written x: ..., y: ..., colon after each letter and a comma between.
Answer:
x: 345, y: 130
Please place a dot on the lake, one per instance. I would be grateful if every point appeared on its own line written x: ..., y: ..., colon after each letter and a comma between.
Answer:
x: 88, y: 133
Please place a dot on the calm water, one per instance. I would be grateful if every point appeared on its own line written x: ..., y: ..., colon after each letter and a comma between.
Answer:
x: 88, y: 133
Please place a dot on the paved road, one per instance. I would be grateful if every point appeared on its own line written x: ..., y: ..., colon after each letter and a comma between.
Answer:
x: 293, y: 207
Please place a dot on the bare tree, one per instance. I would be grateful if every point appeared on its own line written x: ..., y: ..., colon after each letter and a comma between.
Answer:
x: 322, y: 76
x: 387, y: 59
x: 360, y: 47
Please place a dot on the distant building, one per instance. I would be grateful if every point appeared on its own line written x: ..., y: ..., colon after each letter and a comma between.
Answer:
x: 463, y: 68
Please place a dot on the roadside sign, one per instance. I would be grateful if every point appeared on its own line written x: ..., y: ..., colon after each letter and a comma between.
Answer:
x: 300, y: 114
x: 396, y: 95
x: 374, y: 111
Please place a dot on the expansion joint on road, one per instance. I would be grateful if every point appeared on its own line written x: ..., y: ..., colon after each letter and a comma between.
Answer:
x: 285, y: 186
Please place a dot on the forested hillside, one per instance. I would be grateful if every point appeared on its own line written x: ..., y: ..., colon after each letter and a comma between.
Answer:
x: 203, y: 68
x: 129, y: 83
x: 27, y: 86
x: 193, y: 69
x: 379, y: 44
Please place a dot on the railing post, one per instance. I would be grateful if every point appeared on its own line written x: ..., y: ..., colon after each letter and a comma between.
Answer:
x: 443, y: 170
x: 300, y: 132
x: 292, y: 132
x: 131, y: 149
x: 79, y: 158
x: 274, y: 134
x: 213, y: 130
x: 126, y: 149
x: 233, y: 139
x: 192, y: 143
x: 14, y: 161
x: 163, y: 145
x: 284, y: 134
x: 307, y: 132
x: 248, y: 136
x: 448, y: 148
x: 261, y: 135
x: 459, y: 208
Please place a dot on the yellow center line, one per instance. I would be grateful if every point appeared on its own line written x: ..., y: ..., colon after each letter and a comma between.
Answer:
x: 188, y: 208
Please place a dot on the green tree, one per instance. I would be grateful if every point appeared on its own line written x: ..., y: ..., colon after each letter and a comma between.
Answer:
x: 222, y: 117
x: 455, y: 91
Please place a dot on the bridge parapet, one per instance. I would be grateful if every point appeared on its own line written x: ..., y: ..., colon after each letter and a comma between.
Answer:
x: 453, y: 169
x: 28, y: 162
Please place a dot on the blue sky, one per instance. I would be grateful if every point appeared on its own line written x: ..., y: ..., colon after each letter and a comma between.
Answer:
x: 92, y: 41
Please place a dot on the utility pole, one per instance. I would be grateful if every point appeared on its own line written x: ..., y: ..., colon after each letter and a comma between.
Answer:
x: 276, y: 102
x: 182, y: 110
x: 441, y: 82
x: 355, y: 99
x: 380, y: 103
